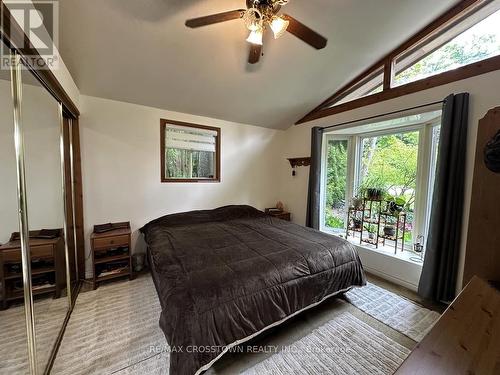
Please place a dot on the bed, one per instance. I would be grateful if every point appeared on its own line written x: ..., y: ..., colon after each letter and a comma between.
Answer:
x: 223, y: 276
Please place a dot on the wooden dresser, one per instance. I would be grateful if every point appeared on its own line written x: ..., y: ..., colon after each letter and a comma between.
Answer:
x: 465, y: 340
x: 47, y: 269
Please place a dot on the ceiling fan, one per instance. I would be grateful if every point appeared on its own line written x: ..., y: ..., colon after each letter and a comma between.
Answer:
x: 259, y: 15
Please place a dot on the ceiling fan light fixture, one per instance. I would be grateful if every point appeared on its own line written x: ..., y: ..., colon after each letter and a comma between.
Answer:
x: 279, y: 26
x: 253, y: 19
x: 255, y: 37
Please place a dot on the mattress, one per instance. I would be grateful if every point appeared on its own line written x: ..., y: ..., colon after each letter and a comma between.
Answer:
x: 225, y: 275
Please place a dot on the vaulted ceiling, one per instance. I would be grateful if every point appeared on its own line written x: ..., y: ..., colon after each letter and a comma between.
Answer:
x: 141, y: 52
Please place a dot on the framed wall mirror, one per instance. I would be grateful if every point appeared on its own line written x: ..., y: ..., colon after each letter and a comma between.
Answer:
x: 189, y: 152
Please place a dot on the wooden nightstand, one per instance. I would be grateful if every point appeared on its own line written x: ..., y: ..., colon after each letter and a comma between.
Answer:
x: 284, y: 215
x: 111, y: 254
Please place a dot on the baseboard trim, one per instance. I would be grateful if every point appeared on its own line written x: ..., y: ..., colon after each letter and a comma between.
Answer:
x: 391, y: 278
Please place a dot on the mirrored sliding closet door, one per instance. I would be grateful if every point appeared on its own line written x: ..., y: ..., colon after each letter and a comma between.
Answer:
x: 38, y: 266
x: 13, y: 335
x: 44, y: 166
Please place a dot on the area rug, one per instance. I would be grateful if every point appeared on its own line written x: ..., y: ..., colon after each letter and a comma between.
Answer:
x: 345, y: 345
x: 395, y: 311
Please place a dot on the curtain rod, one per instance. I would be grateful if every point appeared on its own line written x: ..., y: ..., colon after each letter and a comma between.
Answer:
x: 382, y: 115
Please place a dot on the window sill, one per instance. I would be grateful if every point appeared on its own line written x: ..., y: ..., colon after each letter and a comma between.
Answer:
x: 405, y: 256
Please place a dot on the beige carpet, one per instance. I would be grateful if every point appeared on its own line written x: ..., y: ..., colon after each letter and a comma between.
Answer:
x: 111, y: 328
x: 49, y: 317
x: 114, y: 330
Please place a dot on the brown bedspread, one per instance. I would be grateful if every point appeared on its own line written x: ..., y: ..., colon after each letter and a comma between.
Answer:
x: 226, y: 274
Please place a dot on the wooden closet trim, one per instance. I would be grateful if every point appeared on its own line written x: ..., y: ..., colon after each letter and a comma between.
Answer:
x: 14, y: 37
x: 75, y: 188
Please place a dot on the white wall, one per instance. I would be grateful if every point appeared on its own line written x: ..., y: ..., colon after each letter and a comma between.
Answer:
x: 485, y: 94
x: 120, y: 145
x: 42, y: 160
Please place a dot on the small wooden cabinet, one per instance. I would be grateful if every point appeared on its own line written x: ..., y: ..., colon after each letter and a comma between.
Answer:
x: 111, y: 254
x: 47, y: 269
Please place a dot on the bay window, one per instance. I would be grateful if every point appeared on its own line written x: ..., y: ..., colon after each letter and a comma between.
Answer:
x: 396, y: 158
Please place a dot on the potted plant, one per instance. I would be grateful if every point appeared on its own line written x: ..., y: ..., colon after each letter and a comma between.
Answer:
x: 395, y: 205
x: 356, y: 223
x: 357, y: 203
x: 371, y: 231
x: 389, y: 230
x: 374, y: 194
x: 374, y: 189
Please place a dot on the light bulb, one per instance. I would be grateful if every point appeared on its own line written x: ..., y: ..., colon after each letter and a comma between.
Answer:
x: 255, y: 37
x: 279, y: 26
x: 254, y: 26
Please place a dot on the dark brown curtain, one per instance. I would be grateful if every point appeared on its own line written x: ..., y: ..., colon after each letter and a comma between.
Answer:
x: 313, y: 196
x: 439, y: 273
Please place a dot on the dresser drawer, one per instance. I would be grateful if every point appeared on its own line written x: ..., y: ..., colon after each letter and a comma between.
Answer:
x: 14, y: 255
x: 108, y: 242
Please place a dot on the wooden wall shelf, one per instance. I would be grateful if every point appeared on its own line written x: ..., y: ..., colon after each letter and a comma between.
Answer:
x: 300, y: 162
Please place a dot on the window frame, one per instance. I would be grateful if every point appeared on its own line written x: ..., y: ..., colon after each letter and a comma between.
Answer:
x: 164, y: 178
x: 460, y: 12
x: 351, y: 147
x: 427, y: 152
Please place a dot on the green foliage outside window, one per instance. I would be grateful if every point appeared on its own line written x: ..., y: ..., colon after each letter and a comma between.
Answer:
x: 189, y: 163
x: 388, y: 163
x: 472, y: 46
x: 336, y: 184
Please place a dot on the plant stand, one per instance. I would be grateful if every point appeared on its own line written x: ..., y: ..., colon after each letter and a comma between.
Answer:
x: 400, y: 226
x: 372, y: 214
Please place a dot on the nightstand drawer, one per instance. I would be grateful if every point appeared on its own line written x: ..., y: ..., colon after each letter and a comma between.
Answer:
x: 107, y: 242
x: 284, y: 216
x: 14, y: 255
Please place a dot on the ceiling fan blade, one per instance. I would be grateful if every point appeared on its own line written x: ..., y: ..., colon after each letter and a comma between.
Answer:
x: 304, y: 33
x: 215, y: 18
x: 255, y: 53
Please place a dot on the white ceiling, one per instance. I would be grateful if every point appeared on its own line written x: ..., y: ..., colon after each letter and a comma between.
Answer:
x: 141, y: 52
